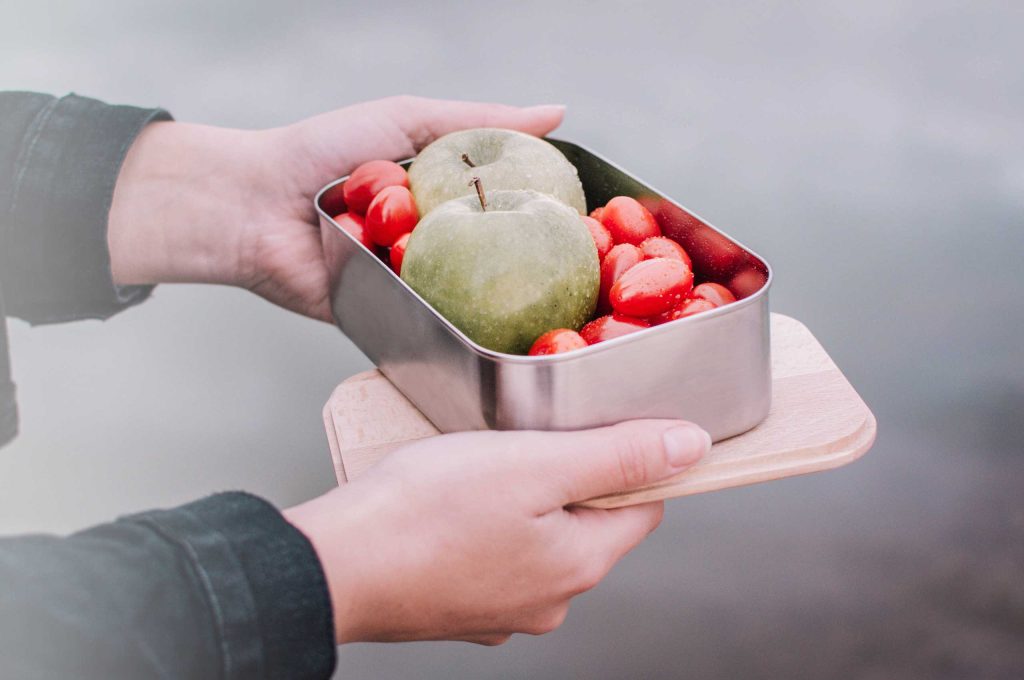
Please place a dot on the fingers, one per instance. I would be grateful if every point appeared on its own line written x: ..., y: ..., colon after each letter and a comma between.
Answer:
x: 424, y: 120
x: 606, y: 535
x: 583, y: 465
x: 541, y: 622
x: 487, y: 639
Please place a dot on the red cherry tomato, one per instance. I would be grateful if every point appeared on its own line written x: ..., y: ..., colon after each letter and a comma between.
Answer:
x: 391, y: 214
x: 651, y: 287
x: 596, y: 213
x: 687, y: 307
x: 602, y: 237
x: 397, y: 252
x: 628, y: 221
x: 611, y: 326
x: 713, y: 292
x: 618, y: 260
x: 714, y: 255
x: 557, y: 341
x: 332, y: 201
x: 663, y: 246
x: 356, y: 226
x: 748, y: 281
x: 368, y: 179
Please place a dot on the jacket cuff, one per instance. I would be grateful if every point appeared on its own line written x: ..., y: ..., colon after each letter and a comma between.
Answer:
x: 60, y: 200
x: 263, y: 583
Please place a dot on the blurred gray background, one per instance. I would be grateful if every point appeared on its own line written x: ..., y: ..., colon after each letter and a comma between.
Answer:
x: 872, y: 151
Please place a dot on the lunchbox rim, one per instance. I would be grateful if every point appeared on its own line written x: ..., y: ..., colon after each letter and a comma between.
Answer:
x: 563, y: 357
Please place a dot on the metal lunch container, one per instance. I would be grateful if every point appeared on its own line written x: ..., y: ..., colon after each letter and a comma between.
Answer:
x: 712, y: 368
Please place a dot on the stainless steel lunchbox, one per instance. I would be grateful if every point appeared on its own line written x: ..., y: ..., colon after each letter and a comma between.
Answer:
x: 712, y: 368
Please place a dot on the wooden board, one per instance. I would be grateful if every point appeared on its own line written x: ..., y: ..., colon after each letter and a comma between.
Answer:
x: 817, y: 422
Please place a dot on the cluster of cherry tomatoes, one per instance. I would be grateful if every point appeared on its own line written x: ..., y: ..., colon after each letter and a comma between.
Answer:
x: 381, y: 209
x: 646, y: 279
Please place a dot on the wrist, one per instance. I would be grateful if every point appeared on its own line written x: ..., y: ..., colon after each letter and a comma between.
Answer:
x: 328, y: 532
x: 179, y: 206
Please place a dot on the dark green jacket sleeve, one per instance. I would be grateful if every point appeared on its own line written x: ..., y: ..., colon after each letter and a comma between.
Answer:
x: 220, y: 588
x: 59, y: 161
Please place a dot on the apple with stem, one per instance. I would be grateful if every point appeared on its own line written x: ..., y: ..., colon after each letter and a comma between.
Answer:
x: 504, y: 266
x: 502, y: 159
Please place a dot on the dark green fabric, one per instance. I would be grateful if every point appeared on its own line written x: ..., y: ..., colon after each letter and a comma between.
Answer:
x: 220, y: 588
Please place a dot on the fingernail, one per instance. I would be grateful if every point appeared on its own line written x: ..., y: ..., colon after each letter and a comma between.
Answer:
x: 686, y: 444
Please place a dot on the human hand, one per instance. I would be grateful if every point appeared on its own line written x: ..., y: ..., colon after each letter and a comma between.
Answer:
x: 202, y: 204
x: 472, y: 536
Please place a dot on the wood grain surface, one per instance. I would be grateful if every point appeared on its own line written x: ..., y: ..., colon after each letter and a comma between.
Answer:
x: 817, y: 422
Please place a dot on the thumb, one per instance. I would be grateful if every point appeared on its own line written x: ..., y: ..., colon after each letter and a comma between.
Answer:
x: 423, y: 120
x: 398, y: 127
x: 589, y: 463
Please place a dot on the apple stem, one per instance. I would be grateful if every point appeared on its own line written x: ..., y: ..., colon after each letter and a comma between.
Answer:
x: 479, y: 192
x: 465, y: 159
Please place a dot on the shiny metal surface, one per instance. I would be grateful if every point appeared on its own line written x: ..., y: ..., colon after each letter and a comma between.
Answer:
x: 713, y: 368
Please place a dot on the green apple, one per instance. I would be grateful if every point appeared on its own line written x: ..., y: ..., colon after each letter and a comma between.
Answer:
x: 502, y: 159
x: 508, y: 273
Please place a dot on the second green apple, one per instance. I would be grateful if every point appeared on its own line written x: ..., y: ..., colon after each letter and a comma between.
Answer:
x: 502, y: 159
